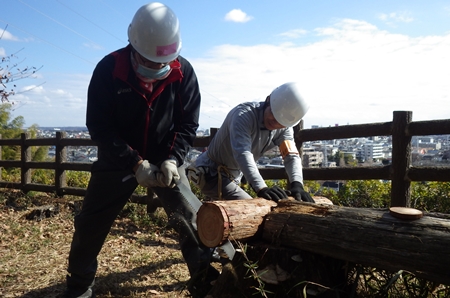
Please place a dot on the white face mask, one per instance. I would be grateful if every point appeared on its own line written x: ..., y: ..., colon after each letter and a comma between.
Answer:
x: 150, y: 75
x: 153, y: 74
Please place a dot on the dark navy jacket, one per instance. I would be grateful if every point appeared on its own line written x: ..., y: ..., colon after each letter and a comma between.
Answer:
x: 129, y: 124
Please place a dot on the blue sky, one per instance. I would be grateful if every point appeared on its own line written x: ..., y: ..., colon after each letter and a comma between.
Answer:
x: 357, y: 61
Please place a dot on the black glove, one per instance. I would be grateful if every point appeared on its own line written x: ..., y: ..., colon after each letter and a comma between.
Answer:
x: 272, y: 193
x: 299, y: 193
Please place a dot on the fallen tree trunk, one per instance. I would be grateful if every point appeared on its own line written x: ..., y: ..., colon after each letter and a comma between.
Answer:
x: 371, y: 237
x: 365, y: 236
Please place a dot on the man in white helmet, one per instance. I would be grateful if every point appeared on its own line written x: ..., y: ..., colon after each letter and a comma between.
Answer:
x: 142, y: 111
x: 249, y: 130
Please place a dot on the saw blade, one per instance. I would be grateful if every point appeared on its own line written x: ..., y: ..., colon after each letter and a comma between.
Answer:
x: 227, y: 248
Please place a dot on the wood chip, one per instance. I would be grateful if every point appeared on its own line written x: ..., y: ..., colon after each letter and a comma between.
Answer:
x: 405, y: 213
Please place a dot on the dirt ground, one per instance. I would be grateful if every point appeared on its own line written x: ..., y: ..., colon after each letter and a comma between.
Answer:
x: 134, y: 261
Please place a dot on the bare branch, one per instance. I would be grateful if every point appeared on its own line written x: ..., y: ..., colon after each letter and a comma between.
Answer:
x: 11, y: 72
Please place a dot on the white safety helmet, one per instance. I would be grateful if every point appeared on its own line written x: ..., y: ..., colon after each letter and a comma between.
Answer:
x: 154, y: 33
x: 288, y: 106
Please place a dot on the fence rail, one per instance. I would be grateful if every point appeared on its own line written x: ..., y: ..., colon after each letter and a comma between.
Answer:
x: 400, y: 171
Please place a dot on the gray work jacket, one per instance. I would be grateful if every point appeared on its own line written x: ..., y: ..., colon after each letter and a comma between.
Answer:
x: 242, y: 140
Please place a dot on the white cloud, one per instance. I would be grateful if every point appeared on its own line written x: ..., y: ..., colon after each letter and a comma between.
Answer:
x: 33, y: 89
x: 93, y: 46
x: 396, y: 17
x: 296, y: 33
x: 354, y: 73
x: 6, y: 35
x: 50, y: 104
x: 238, y: 16
x: 59, y: 92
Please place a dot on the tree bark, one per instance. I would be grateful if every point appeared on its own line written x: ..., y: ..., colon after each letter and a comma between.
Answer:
x: 370, y: 237
x: 217, y: 221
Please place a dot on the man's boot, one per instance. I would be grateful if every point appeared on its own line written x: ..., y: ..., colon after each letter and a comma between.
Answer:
x: 78, y: 292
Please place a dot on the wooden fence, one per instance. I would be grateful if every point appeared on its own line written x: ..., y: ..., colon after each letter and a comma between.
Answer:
x: 400, y: 171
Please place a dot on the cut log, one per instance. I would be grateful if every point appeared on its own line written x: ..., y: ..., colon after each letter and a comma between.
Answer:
x: 238, y: 219
x: 217, y: 221
x: 371, y: 237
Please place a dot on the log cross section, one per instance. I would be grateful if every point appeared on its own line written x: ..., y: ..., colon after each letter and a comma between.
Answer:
x: 218, y: 221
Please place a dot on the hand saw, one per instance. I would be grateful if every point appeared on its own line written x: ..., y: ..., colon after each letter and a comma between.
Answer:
x: 226, y: 250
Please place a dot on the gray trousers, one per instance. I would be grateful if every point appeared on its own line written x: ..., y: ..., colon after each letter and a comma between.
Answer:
x: 230, y: 188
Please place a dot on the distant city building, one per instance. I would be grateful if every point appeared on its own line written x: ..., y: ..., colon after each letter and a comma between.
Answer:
x: 312, y: 158
x: 370, y: 151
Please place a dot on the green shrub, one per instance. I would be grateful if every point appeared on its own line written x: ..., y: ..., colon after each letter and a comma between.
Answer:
x: 77, y: 178
x: 363, y: 193
x: 43, y: 176
x: 428, y: 196
x: 431, y: 196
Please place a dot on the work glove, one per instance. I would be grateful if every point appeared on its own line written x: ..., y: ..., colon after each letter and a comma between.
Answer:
x: 146, y: 174
x: 272, y: 193
x: 299, y: 193
x: 169, y: 175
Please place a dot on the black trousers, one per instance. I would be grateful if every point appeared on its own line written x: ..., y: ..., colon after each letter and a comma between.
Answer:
x: 106, y: 195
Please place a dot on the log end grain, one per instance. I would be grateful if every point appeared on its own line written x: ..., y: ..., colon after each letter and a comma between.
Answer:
x: 213, y: 224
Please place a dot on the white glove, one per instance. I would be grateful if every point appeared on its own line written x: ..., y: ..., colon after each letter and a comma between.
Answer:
x: 146, y: 174
x: 169, y: 175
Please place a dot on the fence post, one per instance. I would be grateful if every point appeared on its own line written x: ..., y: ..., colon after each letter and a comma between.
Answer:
x: 25, y: 156
x: 401, y: 160
x: 212, y: 133
x: 60, y: 157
